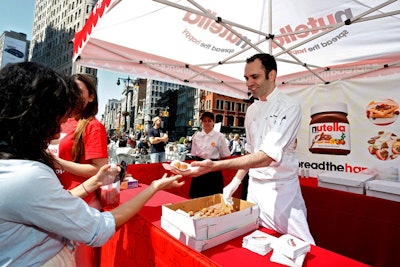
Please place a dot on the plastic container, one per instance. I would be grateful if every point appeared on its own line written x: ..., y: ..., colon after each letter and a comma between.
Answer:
x: 110, y: 190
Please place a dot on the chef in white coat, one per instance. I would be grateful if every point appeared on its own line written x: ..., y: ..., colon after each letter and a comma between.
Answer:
x: 271, y: 123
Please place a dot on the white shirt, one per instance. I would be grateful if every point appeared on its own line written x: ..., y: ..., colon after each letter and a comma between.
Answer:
x: 236, y: 147
x: 209, y: 146
x: 272, y: 126
x: 38, y: 217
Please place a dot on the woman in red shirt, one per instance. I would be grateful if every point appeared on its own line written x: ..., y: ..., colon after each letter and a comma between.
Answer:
x: 82, y: 152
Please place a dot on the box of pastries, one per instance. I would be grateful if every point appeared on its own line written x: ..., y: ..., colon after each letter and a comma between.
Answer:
x: 207, y: 217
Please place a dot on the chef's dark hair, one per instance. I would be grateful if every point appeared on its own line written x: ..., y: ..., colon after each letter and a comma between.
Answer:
x: 267, y: 61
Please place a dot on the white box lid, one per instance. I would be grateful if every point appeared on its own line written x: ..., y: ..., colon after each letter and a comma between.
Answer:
x: 345, y: 178
x: 383, y: 186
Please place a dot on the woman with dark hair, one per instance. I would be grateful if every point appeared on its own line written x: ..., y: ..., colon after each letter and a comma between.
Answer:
x: 82, y: 152
x: 40, y: 221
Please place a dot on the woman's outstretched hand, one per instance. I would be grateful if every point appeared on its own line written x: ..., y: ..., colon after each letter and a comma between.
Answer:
x: 168, y: 182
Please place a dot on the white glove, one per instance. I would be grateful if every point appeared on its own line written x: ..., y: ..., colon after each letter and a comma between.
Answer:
x: 230, y: 189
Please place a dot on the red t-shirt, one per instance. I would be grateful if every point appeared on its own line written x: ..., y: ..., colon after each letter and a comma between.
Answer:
x: 95, y: 146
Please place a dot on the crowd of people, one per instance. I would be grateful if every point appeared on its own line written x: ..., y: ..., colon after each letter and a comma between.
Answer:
x: 139, y: 146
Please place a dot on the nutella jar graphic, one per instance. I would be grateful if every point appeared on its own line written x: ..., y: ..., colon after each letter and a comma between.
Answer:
x: 329, y: 131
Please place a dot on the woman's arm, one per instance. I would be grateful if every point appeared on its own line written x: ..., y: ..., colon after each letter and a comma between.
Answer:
x: 126, y: 211
x: 84, y: 170
x: 87, y: 187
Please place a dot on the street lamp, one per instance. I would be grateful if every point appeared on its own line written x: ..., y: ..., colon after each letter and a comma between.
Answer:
x: 127, y: 83
x: 126, y: 80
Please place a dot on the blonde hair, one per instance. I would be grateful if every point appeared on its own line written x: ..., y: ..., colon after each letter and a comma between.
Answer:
x: 156, y: 118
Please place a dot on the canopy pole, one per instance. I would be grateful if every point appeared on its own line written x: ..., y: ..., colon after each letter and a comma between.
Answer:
x: 270, y: 24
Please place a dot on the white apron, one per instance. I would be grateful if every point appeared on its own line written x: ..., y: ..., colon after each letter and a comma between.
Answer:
x: 282, y: 207
x: 272, y: 126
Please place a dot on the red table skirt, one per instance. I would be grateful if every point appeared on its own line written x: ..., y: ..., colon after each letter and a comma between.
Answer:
x: 360, y: 227
x: 142, y: 242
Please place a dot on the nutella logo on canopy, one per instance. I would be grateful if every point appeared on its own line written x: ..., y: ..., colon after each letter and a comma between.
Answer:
x: 215, y: 28
x: 333, y: 18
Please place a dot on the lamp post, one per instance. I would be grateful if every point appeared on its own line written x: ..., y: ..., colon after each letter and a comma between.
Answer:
x: 125, y: 113
x: 126, y: 80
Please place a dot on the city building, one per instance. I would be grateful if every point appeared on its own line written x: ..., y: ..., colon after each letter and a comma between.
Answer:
x: 54, y: 26
x: 141, y: 103
x: 111, y: 117
x: 13, y: 48
x: 179, y: 107
x: 187, y: 113
x: 134, y: 94
x: 229, y: 111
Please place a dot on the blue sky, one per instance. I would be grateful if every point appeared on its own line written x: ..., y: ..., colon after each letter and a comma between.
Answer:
x: 17, y: 15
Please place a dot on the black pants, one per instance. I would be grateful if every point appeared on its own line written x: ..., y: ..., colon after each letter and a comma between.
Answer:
x: 205, y: 185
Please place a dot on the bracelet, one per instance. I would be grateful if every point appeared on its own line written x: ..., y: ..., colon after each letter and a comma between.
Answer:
x: 84, y: 188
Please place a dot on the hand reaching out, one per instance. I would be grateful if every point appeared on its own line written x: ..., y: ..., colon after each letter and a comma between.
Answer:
x: 197, y: 168
x: 168, y: 182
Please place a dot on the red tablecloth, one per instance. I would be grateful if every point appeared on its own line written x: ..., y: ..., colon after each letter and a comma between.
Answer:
x: 360, y: 227
x: 142, y: 242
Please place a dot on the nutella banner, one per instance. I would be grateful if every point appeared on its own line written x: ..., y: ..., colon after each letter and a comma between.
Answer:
x: 349, y: 126
x: 205, y: 44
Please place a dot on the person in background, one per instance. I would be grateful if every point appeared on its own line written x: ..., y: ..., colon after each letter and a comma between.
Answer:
x: 143, y: 146
x: 236, y: 149
x: 131, y: 141
x: 40, y: 221
x: 231, y: 135
x: 157, y: 139
x: 208, y: 144
x: 123, y: 140
x: 82, y: 152
x: 272, y: 123
x: 187, y: 145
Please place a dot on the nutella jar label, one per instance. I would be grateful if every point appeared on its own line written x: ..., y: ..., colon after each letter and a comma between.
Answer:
x: 329, y: 130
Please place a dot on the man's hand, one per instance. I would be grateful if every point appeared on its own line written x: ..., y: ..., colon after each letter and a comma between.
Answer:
x: 230, y: 189
x: 197, y: 168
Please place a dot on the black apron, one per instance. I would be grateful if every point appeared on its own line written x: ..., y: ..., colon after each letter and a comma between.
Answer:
x: 207, y: 184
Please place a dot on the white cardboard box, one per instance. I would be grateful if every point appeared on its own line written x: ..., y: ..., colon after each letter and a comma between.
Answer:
x: 200, y: 245
x: 383, y: 189
x: 348, y: 182
x: 206, y: 228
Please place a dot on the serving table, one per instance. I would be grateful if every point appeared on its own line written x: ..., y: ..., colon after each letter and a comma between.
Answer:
x: 142, y: 242
x: 360, y: 227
